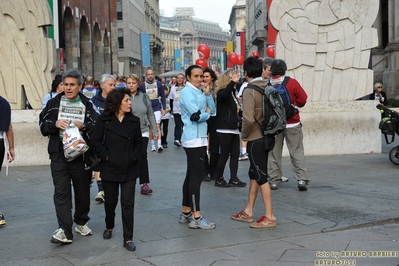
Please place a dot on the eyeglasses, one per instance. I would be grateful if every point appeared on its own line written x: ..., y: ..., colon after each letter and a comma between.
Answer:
x: 379, y: 87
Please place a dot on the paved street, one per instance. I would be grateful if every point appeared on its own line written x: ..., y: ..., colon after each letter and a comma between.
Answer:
x: 351, y: 205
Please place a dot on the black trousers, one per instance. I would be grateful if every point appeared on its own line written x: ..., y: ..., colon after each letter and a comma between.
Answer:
x: 178, y: 126
x: 211, y: 168
x: 164, y: 125
x: 63, y: 172
x: 258, y: 161
x: 194, y: 175
x: 144, y: 174
x: 229, y: 145
x: 2, y: 152
x: 111, y: 191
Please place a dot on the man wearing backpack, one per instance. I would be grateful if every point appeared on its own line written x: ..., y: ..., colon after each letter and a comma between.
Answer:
x: 252, y: 104
x: 292, y: 134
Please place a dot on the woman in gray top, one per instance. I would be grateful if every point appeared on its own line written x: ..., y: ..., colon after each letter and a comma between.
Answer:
x: 141, y: 107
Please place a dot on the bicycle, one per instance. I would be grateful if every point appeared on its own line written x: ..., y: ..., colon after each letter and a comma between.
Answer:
x: 390, y: 128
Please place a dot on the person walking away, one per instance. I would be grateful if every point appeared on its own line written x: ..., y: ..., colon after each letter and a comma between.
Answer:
x: 257, y: 152
x: 89, y: 91
x: 292, y: 135
x: 56, y: 87
x: 165, y: 120
x: 69, y: 106
x: 197, y: 105
x: 117, y: 141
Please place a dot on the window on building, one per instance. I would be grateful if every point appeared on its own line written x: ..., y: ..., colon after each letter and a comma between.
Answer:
x: 120, y: 38
x: 119, y: 13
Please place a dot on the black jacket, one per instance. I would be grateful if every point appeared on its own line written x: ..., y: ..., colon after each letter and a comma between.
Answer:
x: 383, y: 94
x: 226, y: 108
x: 49, y: 116
x: 122, y: 145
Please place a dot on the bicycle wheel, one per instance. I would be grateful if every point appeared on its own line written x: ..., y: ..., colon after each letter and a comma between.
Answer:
x: 392, y: 156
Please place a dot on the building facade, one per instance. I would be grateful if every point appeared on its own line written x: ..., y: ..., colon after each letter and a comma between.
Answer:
x: 385, y: 56
x: 237, y: 21
x: 256, y: 24
x: 85, y: 40
x: 131, y: 19
x: 152, y: 26
x: 170, y: 37
x: 194, y: 31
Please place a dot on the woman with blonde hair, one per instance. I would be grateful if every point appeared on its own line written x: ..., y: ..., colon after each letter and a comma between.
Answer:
x: 227, y: 128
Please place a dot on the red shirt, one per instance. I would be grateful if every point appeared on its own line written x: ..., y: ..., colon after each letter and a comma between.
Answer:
x: 298, y: 95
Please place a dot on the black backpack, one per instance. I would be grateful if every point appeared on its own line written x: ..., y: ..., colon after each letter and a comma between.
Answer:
x: 388, y: 126
x: 274, y: 119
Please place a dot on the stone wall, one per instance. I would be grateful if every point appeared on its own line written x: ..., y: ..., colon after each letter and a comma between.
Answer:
x: 328, y: 129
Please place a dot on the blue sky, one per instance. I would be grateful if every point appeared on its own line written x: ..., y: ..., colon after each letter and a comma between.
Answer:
x: 212, y: 10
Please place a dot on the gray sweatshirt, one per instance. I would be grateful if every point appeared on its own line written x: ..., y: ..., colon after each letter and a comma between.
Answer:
x: 141, y: 107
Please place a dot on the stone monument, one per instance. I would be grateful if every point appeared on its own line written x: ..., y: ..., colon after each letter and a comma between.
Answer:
x: 26, y: 53
x: 327, y: 47
x: 27, y: 62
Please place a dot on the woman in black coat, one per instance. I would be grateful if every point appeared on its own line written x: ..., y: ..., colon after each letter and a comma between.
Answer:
x: 117, y: 141
x: 227, y: 128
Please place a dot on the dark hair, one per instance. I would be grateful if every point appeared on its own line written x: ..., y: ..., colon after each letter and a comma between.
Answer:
x: 278, y: 67
x: 253, y: 67
x: 73, y: 73
x: 211, y: 72
x: 114, y: 100
x: 190, y: 69
x: 56, y: 81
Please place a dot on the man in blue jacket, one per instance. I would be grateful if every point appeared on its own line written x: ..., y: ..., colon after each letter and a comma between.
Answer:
x: 107, y: 84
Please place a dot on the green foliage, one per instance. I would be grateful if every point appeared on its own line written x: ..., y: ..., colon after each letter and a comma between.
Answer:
x: 393, y: 102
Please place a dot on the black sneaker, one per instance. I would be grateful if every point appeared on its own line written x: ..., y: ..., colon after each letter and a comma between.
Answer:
x: 237, y: 183
x: 206, y: 178
x: 220, y: 182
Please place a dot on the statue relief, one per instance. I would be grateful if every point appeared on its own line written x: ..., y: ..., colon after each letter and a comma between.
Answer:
x: 326, y: 44
x: 26, y: 54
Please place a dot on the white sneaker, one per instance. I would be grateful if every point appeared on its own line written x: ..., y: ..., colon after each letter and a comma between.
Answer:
x: 284, y: 179
x: 84, y: 230
x: 59, y: 237
x: 153, y: 148
x: 100, y: 197
x: 243, y: 157
x: 177, y: 143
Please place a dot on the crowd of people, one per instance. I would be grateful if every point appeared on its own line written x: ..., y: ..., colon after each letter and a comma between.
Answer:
x: 216, y: 119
